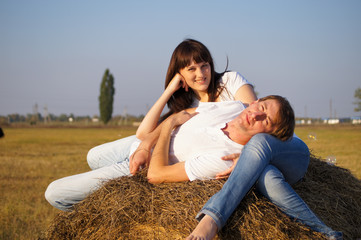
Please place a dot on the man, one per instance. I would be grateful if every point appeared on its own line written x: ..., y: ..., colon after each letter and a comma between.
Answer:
x: 195, y: 149
x: 272, y: 165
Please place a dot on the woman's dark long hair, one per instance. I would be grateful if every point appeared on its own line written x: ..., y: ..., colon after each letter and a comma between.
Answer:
x: 187, y: 51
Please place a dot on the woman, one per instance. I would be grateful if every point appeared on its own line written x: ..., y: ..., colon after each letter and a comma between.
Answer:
x: 190, y: 79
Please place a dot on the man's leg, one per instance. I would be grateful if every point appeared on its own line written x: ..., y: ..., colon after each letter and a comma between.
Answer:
x: 65, y: 192
x: 109, y: 153
x: 256, y: 155
x: 272, y: 184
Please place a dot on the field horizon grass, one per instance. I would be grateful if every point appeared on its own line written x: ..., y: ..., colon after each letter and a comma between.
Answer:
x: 32, y: 157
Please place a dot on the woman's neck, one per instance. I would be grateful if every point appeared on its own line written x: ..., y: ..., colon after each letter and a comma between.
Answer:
x: 202, y: 96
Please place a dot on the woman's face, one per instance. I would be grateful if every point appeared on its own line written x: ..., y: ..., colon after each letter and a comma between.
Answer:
x: 197, y: 76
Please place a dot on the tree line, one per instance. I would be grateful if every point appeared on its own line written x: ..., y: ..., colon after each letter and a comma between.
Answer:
x: 106, y: 99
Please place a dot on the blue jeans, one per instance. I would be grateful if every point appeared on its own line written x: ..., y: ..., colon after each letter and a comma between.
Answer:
x: 272, y: 165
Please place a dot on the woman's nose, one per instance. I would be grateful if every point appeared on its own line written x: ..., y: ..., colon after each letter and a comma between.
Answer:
x: 200, y: 73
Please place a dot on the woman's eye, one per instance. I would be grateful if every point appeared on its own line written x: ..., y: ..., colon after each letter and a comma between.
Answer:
x: 206, y: 65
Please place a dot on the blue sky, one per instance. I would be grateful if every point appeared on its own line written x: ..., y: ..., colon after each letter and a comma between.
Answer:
x: 54, y: 53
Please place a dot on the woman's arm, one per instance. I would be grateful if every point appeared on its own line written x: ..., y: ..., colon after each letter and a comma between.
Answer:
x: 150, y: 121
x: 246, y: 95
x: 159, y: 169
x: 141, y: 156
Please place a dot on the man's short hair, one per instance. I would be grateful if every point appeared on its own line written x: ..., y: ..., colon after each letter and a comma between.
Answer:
x: 285, y: 120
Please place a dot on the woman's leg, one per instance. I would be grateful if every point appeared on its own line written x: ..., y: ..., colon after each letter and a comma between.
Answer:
x: 109, y: 153
x: 273, y: 185
x: 65, y: 192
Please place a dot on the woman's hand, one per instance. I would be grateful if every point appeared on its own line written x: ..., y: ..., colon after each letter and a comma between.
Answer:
x: 140, y: 158
x: 232, y: 157
x: 181, y: 117
x: 176, y: 83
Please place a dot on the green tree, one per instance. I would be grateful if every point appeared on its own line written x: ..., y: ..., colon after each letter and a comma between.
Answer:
x: 358, y: 100
x: 106, y: 97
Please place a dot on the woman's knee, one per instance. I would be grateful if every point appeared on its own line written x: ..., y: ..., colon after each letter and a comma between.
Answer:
x: 51, y: 193
x: 57, y: 195
x: 93, y: 158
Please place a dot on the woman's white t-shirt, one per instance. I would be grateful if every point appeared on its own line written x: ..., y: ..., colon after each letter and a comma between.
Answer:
x: 231, y: 82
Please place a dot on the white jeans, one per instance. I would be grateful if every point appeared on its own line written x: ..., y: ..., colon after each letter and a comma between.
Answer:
x: 107, y: 161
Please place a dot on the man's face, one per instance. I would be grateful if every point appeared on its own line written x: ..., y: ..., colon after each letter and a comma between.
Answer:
x: 259, y: 117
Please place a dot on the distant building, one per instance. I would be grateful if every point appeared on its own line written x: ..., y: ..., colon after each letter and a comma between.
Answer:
x: 356, y: 120
x: 304, y: 121
x: 333, y: 121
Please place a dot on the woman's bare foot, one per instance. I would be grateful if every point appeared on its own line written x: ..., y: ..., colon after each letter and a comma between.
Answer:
x: 205, y: 230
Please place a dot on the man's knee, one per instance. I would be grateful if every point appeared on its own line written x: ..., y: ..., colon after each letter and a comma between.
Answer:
x: 260, y: 144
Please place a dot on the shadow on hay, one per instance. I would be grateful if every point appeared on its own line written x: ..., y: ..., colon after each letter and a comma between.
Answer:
x: 131, y: 208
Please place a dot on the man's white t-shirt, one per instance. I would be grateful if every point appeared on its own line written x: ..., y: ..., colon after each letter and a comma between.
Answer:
x: 200, y: 142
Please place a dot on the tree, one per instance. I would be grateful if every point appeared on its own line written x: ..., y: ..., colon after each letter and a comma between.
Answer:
x: 358, y: 100
x: 106, y: 97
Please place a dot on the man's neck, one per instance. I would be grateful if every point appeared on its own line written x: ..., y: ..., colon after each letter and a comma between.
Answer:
x: 234, y: 134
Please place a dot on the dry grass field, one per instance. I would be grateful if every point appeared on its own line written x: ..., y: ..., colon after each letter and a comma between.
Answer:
x: 342, y: 143
x: 30, y: 158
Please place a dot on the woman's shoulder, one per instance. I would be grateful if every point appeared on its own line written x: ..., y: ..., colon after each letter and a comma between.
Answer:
x: 233, y: 78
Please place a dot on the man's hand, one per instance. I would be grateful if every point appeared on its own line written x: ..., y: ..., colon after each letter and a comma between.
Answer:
x: 232, y: 157
x: 140, y: 158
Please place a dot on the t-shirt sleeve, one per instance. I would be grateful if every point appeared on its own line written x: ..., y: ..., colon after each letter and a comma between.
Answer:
x: 233, y: 81
x: 205, y: 166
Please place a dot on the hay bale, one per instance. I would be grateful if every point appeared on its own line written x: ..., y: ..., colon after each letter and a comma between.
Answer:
x: 131, y: 208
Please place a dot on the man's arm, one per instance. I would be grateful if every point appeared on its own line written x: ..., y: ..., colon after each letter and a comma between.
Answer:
x: 141, y: 157
x: 159, y: 169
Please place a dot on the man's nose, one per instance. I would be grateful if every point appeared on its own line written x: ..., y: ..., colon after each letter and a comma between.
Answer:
x: 258, y: 116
